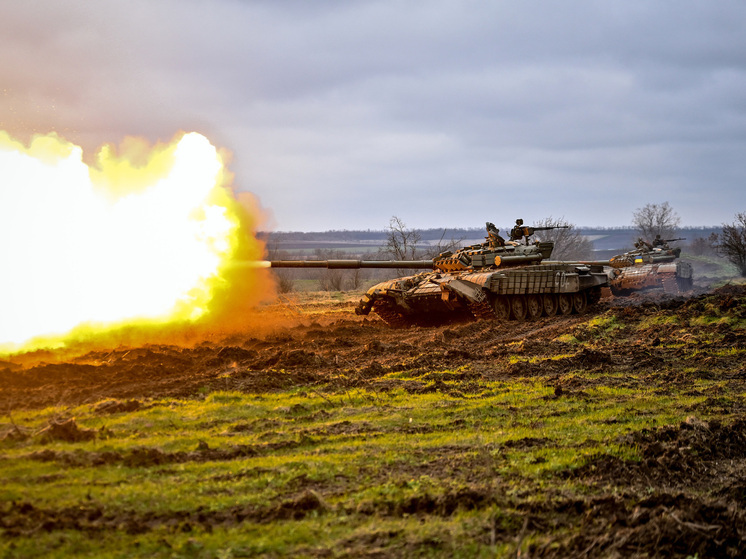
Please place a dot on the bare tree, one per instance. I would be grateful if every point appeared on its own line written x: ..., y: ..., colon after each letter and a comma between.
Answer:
x: 656, y: 219
x: 569, y: 243
x: 733, y: 242
x: 285, y: 277
x: 401, y: 242
x: 356, y: 277
x: 452, y: 244
x: 704, y: 246
x: 331, y: 279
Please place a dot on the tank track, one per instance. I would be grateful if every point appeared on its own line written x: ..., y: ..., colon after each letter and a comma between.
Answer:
x: 389, y: 315
x: 483, y: 310
x: 589, y: 298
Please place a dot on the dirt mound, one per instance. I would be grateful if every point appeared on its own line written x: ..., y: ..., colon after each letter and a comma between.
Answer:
x: 24, y: 519
x: 660, y: 512
x: 673, y: 457
x: 117, y: 406
x: 663, y: 525
x: 66, y: 430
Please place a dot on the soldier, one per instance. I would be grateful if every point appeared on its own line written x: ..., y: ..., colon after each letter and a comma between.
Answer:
x: 519, y: 231
x: 642, y: 244
x: 658, y: 242
x: 493, y: 236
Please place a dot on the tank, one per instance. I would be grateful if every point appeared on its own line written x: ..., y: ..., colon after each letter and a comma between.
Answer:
x: 650, y: 266
x: 493, y: 280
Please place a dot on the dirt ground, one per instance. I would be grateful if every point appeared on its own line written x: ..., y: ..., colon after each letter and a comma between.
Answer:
x: 695, y: 472
x: 312, y: 342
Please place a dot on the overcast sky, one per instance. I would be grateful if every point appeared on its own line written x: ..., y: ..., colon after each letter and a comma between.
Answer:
x: 340, y: 114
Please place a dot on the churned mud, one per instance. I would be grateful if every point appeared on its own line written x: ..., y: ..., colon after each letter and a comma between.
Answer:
x: 335, y: 345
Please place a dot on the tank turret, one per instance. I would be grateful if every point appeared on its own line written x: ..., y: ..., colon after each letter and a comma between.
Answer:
x: 649, y: 266
x: 484, y: 255
x: 467, y: 258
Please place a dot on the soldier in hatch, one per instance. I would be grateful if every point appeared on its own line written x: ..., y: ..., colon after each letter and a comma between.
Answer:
x: 519, y: 231
x: 643, y: 244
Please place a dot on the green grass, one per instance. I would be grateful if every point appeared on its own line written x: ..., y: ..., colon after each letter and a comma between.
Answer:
x: 368, y: 457
x: 713, y: 267
x: 599, y: 329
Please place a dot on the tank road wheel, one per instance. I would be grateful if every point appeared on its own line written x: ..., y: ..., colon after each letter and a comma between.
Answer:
x: 518, y: 307
x: 579, y: 302
x: 550, y: 304
x: 534, y: 307
x: 564, y: 303
x: 502, y: 307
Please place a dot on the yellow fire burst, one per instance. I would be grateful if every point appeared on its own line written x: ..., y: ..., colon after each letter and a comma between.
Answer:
x: 113, y: 244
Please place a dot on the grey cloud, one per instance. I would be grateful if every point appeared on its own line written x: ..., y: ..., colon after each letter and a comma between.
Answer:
x: 340, y: 114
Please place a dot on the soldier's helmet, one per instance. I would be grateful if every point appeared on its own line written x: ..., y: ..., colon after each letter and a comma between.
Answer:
x: 519, y: 222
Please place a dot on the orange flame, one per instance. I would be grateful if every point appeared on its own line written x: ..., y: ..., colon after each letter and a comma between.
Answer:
x: 143, y: 239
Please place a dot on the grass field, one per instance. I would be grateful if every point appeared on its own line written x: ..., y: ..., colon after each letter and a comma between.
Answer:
x: 620, y: 433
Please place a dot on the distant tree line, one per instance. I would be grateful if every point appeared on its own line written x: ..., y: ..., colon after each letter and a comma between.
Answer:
x: 399, y: 242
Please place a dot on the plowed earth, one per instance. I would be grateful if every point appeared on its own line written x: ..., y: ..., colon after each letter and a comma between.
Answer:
x: 686, y: 496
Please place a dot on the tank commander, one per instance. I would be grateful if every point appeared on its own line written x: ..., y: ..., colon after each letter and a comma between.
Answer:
x: 643, y: 244
x: 658, y: 242
x: 493, y: 236
x: 519, y: 231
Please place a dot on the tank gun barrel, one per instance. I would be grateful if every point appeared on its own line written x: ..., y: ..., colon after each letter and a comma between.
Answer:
x: 672, y: 240
x: 352, y: 264
x: 548, y: 228
x: 593, y: 262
